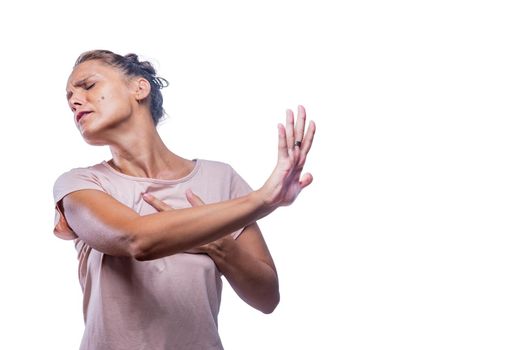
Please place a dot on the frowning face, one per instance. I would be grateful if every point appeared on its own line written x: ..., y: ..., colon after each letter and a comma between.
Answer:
x: 101, y: 98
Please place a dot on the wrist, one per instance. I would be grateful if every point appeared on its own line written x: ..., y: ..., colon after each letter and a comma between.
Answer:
x: 262, y: 202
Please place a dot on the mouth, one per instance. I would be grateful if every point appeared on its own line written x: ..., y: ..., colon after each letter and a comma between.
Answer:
x: 82, y: 114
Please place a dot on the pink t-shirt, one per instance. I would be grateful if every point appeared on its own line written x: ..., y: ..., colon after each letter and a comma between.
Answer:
x: 168, y: 303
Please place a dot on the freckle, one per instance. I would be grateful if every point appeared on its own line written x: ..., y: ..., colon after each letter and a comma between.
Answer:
x: 102, y: 98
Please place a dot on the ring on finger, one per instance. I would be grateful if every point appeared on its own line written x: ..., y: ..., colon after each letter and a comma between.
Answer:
x: 298, y: 143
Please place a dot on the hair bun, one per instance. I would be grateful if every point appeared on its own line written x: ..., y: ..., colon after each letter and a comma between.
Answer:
x: 143, y: 65
x: 132, y: 57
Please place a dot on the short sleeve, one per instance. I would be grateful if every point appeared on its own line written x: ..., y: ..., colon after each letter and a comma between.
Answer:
x: 71, y: 181
x: 238, y: 188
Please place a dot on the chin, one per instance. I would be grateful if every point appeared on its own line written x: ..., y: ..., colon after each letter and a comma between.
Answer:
x: 95, y: 142
x: 91, y: 139
x: 98, y: 131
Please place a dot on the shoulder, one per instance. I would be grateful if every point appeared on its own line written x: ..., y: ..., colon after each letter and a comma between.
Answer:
x: 215, y: 172
x: 213, y: 167
x: 79, y: 176
x: 224, y: 173
x: 87, y: 171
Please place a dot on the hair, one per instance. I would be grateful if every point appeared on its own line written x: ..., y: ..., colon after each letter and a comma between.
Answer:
x: 132, y: 67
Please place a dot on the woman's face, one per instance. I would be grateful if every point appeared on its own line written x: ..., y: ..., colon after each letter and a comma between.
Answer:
x: 101, y: 98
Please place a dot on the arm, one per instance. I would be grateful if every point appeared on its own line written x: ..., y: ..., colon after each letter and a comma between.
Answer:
x: 245, y: 262
x: 113, y: 228
x: 247, y: 265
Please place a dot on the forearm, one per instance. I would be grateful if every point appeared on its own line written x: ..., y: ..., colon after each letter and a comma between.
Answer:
x: 168, y: 232
x: 253, y: 280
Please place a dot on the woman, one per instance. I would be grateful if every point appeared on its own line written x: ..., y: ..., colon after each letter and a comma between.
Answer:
x: 151, y: 274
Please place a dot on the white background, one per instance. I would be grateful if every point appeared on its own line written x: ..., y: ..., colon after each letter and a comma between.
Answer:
x: 410, y: 237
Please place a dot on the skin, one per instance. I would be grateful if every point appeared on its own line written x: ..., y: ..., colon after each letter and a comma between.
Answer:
x: 245, y: 262
x: 119, y: 117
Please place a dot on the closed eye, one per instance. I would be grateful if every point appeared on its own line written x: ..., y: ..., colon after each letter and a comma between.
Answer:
x: 87, y: 87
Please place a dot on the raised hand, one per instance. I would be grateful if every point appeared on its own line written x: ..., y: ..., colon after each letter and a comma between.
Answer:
x: 286, y: 182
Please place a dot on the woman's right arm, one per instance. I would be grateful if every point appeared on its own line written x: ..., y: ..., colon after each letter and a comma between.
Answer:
x: 113, y: 228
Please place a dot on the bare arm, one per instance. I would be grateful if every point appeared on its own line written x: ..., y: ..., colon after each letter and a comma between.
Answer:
x: 249, y: 268
x: 246, y: 262
x: 113, y: 228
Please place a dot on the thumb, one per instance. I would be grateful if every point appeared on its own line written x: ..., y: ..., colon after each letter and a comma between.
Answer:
x: 193, y: 199
x: 306, y: 180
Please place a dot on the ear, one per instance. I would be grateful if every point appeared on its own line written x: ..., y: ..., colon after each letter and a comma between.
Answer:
x: 142, y: 88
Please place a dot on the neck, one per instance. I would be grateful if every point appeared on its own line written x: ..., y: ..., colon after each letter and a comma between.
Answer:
x: 142, y: 153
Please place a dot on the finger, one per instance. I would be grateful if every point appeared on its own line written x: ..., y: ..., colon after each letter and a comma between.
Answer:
x: 155, y: 202
x: 301, y: 122
x: 193, y: 199
x: 290, y: 129
x: 306, y: 180
x: 308, y: 140
x: 282, y: 145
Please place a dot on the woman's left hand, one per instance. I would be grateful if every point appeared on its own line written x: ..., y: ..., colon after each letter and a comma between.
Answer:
x: 246, y: 262
x: 195, y: 201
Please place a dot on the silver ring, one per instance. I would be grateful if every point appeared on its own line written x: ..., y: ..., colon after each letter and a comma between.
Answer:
x: 298, y: 144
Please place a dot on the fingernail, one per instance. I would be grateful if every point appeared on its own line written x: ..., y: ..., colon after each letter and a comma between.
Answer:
x: 146, y: 195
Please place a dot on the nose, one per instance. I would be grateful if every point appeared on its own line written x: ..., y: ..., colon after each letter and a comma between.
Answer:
x: 76, y: 100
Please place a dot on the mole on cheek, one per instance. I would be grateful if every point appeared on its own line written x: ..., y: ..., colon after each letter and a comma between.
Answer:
x: 102, y: 98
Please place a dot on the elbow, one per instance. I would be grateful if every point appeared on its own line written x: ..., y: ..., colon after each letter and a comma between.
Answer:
x: 271, y: 305
x: 272, y: 297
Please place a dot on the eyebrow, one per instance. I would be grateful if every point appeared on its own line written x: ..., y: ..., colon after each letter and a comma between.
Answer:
x: 78, y: 83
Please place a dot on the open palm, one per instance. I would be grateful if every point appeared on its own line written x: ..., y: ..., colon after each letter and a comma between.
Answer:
x: 286, y: 181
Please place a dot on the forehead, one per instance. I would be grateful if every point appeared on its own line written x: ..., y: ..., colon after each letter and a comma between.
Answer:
x: 88, y: 69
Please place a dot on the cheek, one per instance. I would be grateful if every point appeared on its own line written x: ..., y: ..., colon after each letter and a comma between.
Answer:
x: 101, y: 97
x: 114, y: 105
x: 107, y: 102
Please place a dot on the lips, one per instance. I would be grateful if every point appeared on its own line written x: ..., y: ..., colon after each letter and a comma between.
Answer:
x: 81, y: 114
